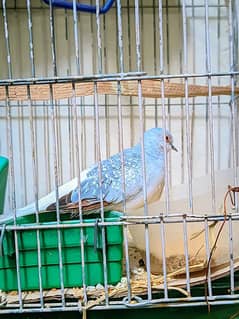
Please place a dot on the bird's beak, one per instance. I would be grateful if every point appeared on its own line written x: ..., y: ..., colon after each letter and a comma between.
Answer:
x: 173, y: 147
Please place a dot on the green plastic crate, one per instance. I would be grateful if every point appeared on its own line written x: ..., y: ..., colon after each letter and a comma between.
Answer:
x: 71, y: 255
x: 3, y: 181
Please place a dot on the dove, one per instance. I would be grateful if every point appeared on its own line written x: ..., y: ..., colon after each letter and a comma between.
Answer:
x: 92, y: 193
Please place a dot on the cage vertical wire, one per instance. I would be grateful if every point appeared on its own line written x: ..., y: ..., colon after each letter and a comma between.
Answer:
x: 76, y: 88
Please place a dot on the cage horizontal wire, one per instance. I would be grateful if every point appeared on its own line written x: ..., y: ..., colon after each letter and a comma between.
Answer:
x: 83, y: 228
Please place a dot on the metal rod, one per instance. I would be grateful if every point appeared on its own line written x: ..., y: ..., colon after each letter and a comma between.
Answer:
x: 36, y: 192
x: 155, y: 58
x: 47, y: 147
x: 141, y: 120
x: 6, y: 35
x: 208, y: 251
x: 13, y: 193
x: 233, y: 45
x: 120, y: 38
x: 59, y: 142
x: 219, y: 130
x: 76, y: 38
x: 132, y: 220
x: 188, y: 127
x: 121, y: 147
x: 52, y: 34
x: 231, y: 255
x: 98, y: 155
x: 99, y: 41
x: 56, y: 178
x: 106, y: 70
x: 79, y: 169
x: 22, y: 144
x: 210, y: 110
x: 163, y: 247
x: 31, y: 47
x: 125, y: 228
x: 164, y: 113
x: 114, y: 77
x: 185, y: 241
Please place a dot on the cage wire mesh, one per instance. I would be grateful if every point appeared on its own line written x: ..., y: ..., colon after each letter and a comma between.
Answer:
x: 76, y: 88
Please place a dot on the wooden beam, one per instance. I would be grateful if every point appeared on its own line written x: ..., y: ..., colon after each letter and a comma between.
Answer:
x: 150, y: 89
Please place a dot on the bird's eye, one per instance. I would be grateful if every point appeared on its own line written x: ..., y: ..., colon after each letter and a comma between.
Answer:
x: 167, y: 138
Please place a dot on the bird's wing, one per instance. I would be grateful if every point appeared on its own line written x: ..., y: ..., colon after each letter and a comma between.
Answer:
x: 111, y: 186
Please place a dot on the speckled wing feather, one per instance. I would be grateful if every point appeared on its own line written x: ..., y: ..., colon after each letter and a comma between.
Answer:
x: 111, y: 183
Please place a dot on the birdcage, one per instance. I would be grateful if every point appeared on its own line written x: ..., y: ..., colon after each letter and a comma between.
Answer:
x: 81, y: 81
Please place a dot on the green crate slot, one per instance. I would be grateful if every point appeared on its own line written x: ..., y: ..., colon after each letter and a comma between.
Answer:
x: 69, y: 255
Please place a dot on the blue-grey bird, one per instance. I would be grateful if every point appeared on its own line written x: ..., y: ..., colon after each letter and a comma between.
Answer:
x: 110, y: 190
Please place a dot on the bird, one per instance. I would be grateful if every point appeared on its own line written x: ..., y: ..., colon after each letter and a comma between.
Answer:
x: 92, y: 192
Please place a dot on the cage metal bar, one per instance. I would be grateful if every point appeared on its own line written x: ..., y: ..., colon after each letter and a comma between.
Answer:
x: 125, y: 228
x: 70, y: 138
x: 99, y: 39
x: 121, y: 145
x: 210, y: 110
x: 56, y: 178
x: 43, y: 105
x: 21, y: 134
x: 13, y: 194
x: 141, y: 120
x: 188, y: 127
x: 233, y: 64
x: 155, y: 59
x: 182, y: 147
x: 144, y: 5
x: 164, y: 113
x: 31, y: 47
x: 46, y: 126
x: 106, y: 70
x: 82, y: 104
x: 168, y: 110
x: 219, y: 82
x: 6, y: 35
x: 208, y: 252
x: 185, y: 240
x: 59, y: 141
x: 98, y: 155
x: 98, y: 149
x: 128, y: 76
x: 79, y: 169
x: 76, y: 38
x: 130, y: 222
x: 36, y: 193
x: 120, y: 37
x: 163, y: 246
x: 231, y: 256
x: 129, y: 53
x: 113, y: 306
x: 52, y: 37
x: 78, y: 68
x: 135, y: 220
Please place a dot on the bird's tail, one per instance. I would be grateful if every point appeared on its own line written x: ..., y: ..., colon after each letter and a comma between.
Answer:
x: 86, y: 206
